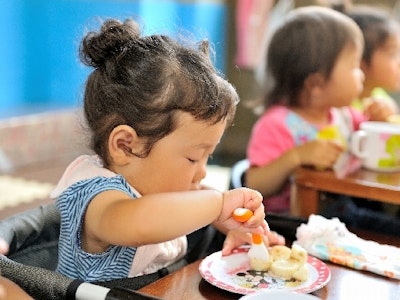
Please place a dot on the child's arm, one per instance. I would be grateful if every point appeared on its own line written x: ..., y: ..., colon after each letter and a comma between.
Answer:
x: 112, y: 218
x: 271, y: 177
x: 378, y: 110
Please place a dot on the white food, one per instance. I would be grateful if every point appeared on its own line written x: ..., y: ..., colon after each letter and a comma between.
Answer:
x: 258, y: 255
x: 285, y: 268
x: 284, y: 262
x: 298, y: 253
x: 279, y: 252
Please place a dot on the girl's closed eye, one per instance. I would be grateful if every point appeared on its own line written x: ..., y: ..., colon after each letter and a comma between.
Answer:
x: 195, y: 160
x: 192, y: 160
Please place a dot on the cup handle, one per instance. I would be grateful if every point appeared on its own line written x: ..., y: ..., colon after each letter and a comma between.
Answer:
x: 356, y: 140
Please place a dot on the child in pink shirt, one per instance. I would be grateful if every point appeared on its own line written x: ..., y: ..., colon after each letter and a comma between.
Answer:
x: 313, y: 74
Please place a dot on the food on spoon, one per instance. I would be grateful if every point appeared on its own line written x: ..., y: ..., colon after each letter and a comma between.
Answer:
x: 258, y: 254
x: 242, y: 214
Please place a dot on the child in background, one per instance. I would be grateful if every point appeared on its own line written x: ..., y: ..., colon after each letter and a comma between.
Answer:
x: 156, y: 110
x: 380, y: 60
x: 381, y: 66
x: 313, y: 74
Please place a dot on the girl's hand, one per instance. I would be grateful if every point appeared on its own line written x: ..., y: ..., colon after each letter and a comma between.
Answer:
x: 319, y: 153
x: 378, y: 110
x: 246, y: 198
x: 236, y: 239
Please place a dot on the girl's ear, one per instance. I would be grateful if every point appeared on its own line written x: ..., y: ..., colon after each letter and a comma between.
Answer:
x: 122, y: 143
x: 314, y: 80
x: 314, y: 85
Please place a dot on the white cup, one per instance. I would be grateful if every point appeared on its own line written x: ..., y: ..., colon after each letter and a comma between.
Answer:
x: 377, y: 144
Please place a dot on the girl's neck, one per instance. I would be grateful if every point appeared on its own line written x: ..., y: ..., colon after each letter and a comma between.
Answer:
x: 367, y: 90
x: 317, y: 116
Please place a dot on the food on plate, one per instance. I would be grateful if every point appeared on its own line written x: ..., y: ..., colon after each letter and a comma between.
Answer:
x: 289, y: 263
x: 281, y: 261
x: 280, y: 252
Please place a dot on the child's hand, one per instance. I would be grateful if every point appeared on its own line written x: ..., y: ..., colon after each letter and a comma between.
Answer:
x: 236, y: 239
x: 247, y: 198
x: 377, y: 110
x: 319, y: 153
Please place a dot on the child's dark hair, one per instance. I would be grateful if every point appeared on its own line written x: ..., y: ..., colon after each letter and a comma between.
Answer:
x: 143, y: 81
x: 308, y: 41
x: 376, y: 24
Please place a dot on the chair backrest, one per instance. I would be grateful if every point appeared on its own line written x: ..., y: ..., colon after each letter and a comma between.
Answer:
x: 32, y: 259
x: 238, y: 173
x: 44, y: 284
x: 33, y: 236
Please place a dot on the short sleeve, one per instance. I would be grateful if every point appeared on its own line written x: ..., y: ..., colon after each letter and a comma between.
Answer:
x: 270, y: 137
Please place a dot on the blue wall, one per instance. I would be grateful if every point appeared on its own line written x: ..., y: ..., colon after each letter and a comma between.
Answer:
x: 39, y: 64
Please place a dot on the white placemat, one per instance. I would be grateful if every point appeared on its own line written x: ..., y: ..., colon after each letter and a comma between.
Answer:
x: 15, y: 190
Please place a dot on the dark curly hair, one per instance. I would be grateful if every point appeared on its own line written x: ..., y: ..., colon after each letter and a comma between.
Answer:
x: 143, y: 81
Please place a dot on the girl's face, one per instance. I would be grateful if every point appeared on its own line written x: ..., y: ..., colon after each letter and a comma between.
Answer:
x: 384, y: 68
x: 346, y: 80
x: 178, y: 161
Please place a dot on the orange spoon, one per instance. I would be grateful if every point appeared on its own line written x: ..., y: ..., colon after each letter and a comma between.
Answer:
x: 258, y: 253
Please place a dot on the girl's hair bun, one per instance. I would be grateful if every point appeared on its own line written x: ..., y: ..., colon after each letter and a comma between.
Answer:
x: 113, y: 39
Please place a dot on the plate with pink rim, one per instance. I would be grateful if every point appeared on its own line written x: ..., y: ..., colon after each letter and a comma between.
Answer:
x: 233, y: 273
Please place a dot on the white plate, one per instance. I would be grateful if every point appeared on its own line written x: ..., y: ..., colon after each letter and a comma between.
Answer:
x: 232, y: 273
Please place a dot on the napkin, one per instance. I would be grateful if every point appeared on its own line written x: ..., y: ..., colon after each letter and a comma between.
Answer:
x: 329, y: 239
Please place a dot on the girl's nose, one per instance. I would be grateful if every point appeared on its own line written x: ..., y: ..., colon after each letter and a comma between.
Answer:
x: 198, y: 177
x: 200, y: 172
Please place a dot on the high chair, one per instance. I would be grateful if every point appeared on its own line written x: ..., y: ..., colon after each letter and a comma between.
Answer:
x: 32, y: 260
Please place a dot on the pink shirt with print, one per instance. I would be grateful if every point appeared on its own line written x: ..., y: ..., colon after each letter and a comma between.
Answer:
x: 279, y: 129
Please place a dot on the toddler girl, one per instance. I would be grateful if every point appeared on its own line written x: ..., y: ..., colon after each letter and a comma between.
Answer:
x: 156, y: 110
x: 313, y: 74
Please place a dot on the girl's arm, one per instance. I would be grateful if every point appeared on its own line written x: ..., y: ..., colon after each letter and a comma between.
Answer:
x: 112, y: 218
x: 271, y: 177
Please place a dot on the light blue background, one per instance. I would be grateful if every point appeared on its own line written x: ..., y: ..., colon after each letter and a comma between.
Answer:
x: 39, y: 63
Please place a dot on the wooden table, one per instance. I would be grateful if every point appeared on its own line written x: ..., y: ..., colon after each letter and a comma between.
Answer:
x: 345, y: 283
x: 308, y: 183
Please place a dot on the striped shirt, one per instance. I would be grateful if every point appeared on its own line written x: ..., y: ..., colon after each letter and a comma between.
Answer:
x: 73, y: 262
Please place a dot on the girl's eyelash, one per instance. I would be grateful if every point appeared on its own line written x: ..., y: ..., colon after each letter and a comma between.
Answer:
x: 196, y: 160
